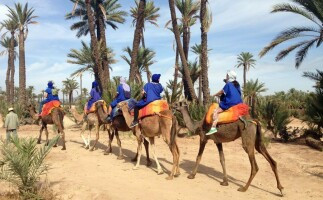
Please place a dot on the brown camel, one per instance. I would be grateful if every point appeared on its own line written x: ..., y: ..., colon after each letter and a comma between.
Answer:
x: 119, y: 124
x: 76, y: 115
x: 250, y: 134
x: 56, y: 117
x: 151, y: 126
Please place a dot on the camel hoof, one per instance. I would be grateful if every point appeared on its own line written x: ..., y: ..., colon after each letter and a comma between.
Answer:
x: 135, y: 168
x: 224, y: 183
x: 242, y: 189
x: 64, y: 148
x: 169, y: 178
x: 177, y: 174
x: 134, y: 160
x: 282, y: 192
x: 92, y: 149
x: 106, y: 153
x: 87, y: 147
x: 148, y: 163
x: 191, y: 176
x: 120, y: 157
x: 53, y: 146
x: 38, y: 142
x: 160, y: 172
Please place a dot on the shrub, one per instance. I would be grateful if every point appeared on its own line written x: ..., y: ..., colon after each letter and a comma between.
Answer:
x: 22, y: 164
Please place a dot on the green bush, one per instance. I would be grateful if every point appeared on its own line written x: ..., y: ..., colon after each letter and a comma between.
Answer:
x: 22, y: 164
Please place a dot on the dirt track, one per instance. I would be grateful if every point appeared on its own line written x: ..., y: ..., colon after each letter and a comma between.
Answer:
x: 80, y: 174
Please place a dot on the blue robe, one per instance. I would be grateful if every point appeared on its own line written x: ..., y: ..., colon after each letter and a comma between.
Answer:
x: 95, y: 96
x: 152, y: 91
x: 122, y: 96
x: 232, y: 96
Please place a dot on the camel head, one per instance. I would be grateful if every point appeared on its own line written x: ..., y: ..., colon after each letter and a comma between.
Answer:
x: 180, y: 106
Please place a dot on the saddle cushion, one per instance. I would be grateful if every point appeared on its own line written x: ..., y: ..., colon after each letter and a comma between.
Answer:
x: 93, y: 107
x: 153, y: 108
x: 48, y: 107
x: 228, y: 116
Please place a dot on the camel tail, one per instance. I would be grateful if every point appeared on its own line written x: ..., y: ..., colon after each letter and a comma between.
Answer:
x: 259, y: 140
x: 61, y: 118
x: 173, y: 130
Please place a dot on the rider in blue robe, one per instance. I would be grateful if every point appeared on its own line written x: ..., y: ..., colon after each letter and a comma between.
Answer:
x: 95, y: 95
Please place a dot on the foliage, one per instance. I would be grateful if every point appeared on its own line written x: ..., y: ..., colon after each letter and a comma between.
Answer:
x: 112, y: 13
x: 311, y: 10
x: 251, y: 91
x: 5, y: 43
x: 246, y: 60
x: 22, y: 164
x: 171, y: 95
x: 195, y: 70
x: 151, y: 13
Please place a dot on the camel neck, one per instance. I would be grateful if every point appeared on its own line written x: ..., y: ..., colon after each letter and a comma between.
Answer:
x: 190, y: 124
x: 127, y: 115
x: 102, y: 115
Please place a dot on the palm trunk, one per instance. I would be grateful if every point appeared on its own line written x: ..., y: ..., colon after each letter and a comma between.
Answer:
x: 204, y: 56
x: 63, y: 99
x: 136, y: 41
x: 200, y: 89
x: 8, y: 86
x: 70, y: 99
x: 176, y: 72
x: 186, y: 48
x: 81, y: 91
x: 144, y: 46
x: 244, y: 75
x: 181, y: 51
x: 22, y: 68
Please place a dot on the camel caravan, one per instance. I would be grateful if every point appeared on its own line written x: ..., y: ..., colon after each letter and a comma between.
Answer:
x: 152, y: 117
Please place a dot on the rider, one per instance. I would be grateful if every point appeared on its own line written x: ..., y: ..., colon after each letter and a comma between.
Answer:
x: 123, y: 93
x: 230, y: 96
x: 95, y: 95
x: 48, y: 95
x: 151, y: 92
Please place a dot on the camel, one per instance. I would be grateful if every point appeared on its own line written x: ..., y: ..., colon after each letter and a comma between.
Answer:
x: 119, y: 124
x: 77, y: 116
x: 55, y: 117
x: 250, y: 134
x: 163, y: 124
x: 97, y: 119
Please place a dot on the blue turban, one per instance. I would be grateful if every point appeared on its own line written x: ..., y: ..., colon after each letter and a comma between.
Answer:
x: 50, y: 84
x: 155, y: 78
x: 95, y: 84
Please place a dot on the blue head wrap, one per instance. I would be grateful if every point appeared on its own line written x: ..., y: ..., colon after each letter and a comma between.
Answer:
x: 155, y: 78
x: 50, y: 84
x: 95, y: 84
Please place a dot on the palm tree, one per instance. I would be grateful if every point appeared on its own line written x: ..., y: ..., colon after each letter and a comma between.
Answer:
x: 145, y: 58
x: 113, y: 16
x: 311, y: 10
x: 136, y: 40
x: 70, y: 85
x: 85, y: 92
x: 23, y: 16
x: 6, y: 44
x: 245, y: 60
x: 151, y: 15
x: 251, y: 91
x: 187, y: 80
x: 206, y: 21
x: 11, y: 27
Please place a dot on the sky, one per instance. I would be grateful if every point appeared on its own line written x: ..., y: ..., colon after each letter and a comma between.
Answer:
x: 238, y: 26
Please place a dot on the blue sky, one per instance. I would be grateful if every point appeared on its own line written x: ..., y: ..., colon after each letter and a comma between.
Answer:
x: 240, y: 25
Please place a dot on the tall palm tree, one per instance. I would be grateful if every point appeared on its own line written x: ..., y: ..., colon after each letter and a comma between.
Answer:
x: 145, y: 58
x: 70, y: 85
x: 245, y: 60
x: 6, y: 44
x: 136, y: 40
x: 187, y: 78
x: 309, y: 9
x: 206, y: 21
x: 251, y: 91
x: 23, y: 16
x: 151, y: 16
x: 11, y: 27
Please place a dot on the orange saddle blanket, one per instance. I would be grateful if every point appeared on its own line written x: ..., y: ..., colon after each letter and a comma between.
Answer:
x: 153, y: 108
x: 48, y: 107
x: 93, y: 107
x: 228, y: 116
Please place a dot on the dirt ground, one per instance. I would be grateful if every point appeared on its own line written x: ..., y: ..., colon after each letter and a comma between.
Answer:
x: 80, y: 174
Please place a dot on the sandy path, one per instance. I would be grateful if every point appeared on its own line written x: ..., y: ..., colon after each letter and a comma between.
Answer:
x: 80, y: 174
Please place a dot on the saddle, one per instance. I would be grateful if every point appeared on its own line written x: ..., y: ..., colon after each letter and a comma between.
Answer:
x: 48, y: 107
x: 153, y: 108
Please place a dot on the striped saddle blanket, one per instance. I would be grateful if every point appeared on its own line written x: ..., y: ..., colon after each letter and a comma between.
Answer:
x: 153, y: 108
x: 48, y: 107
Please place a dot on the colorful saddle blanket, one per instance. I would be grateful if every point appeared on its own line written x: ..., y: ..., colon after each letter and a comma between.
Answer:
x: 48, y: 107
x: 117, y: 111
x: 153, y: 108
x: 228, y: 116
x: 93, y: 107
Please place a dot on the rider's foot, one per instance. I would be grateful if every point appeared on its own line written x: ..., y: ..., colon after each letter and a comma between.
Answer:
x: 211, y: 131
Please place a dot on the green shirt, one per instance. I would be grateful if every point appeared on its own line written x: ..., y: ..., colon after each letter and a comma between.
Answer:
x: 11, y: 122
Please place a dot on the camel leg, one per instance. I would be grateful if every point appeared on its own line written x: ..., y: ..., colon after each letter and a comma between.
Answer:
x: 119, y: 145
x: 198, y: 159
x: 175, y: 170
x: 82, y: 134
x: 254, y: 167
x: 89, y: 137
x: 146, y: 144
x: 262, y: 149
x: 46, y: 132
x: 40, y: 133
x: 109, y: 148
x: 139, y: 139
x: 152, y: 145
x: 97, y: 129
x: 222, y: 160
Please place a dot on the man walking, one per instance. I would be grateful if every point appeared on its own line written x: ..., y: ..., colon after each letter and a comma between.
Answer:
x: 11, y: 124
